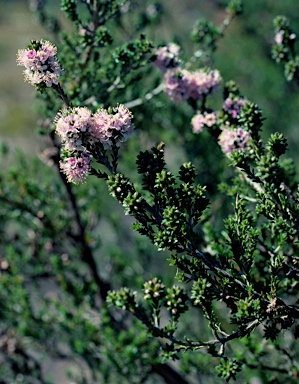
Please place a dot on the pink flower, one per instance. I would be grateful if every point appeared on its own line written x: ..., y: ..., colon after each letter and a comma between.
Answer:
x: 112, y: 127
x: 233, y: 106
x: 167, y: 57
x: 31, y: 54
x: 180, y: 84
x: 197, y: 123
x: 72, y: 125
x: 177, y: 85
x: 210, y: 119
x: 200, y: 120
x: 76, y: 168
x: 41, y: 64
x: 203, y: 82
x: 233, y: 139
x: 77, y: 127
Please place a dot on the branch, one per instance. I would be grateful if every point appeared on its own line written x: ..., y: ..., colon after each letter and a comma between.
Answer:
x: 222, y: 340
x: 170, y: 375
x: 147, y: 97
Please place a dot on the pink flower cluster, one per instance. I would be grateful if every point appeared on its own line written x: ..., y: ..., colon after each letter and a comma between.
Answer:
x: 180, y: 84
x: 200, y: 120
x: 71, y: 125
x: 233, y: 106
x: 78, y: 127
x: 116, y: 127
x: 41, y: 64
x: 76, y: 168
x: 167, y: 57
x: 231, y: 140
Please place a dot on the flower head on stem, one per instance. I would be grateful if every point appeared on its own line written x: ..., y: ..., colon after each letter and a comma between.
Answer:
x: 76, y: 167
x: 41, y: 64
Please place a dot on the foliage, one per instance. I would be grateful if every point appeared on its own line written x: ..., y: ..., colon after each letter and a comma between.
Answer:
x: 230, y: 302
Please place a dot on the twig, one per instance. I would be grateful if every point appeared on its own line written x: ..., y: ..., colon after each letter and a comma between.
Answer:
x: 147, y: 97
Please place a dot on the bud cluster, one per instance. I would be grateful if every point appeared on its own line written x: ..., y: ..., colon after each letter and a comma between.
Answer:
x: 176, y: 302
x: 284, y: 48
x: 154, y: 290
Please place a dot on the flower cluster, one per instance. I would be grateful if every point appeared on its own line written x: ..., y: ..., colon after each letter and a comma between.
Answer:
x: 200, y: 120
x: 233, y: 106
x: 72, y: 124
x: 167, y: 57
x: 76, y: 167
x: 40, y: 62
x: 234, y: 139
x: 285, y: 39
x: 112, y: 127
x: 78, y: 129
x: 180, y: 84
x: 177, y: 85
x: 203, y: 82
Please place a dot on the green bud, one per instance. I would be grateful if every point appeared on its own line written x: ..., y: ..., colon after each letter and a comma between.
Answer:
x: 277, y: 144
x: 70, y: 8
x: 235, y: 7
x: 176, y: 302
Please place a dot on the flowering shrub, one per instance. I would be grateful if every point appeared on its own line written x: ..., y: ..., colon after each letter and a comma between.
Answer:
x: 118, y: 311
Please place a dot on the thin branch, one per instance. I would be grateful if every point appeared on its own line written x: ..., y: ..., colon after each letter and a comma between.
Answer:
x: 170, y: 375
x: 147, y: 97
x: 221, y: 340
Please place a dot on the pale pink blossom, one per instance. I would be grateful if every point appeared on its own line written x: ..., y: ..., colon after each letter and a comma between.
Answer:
x: 41, y: 64
x: 180, y: 84
x: 233, y: 106
x: 72, y: 125
x: 200, y: 120
x: 197, y: 123
x: 177, y: 85
x: 112, y: 127
x: 210, y: 119
x: 203, y: 82
x: 234, y: 139
x: 167, y: 57
x: 76, y: 168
